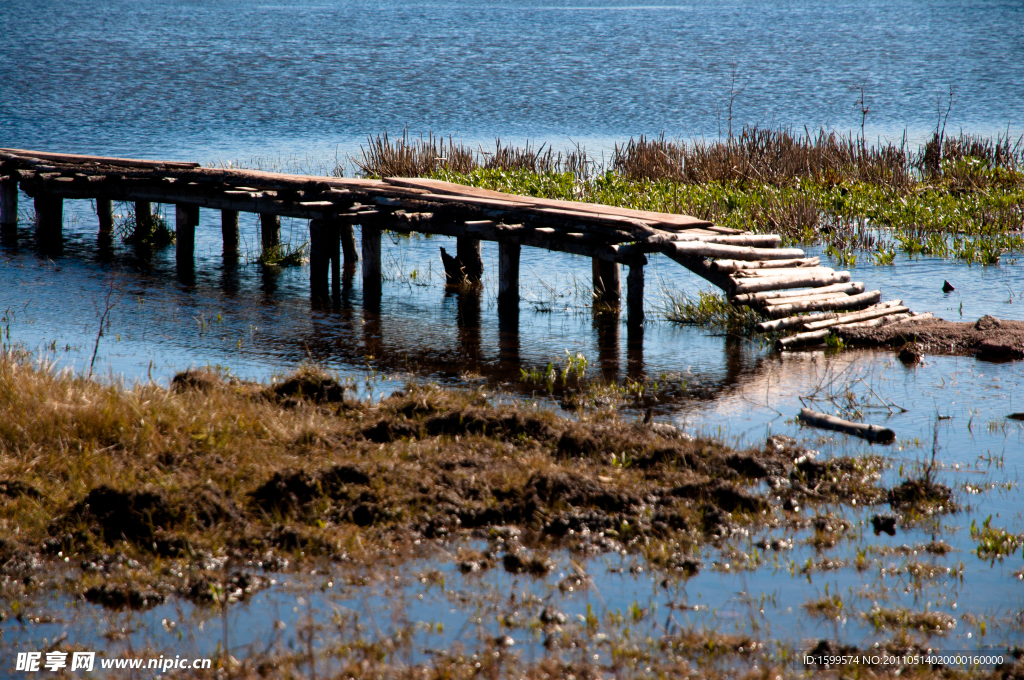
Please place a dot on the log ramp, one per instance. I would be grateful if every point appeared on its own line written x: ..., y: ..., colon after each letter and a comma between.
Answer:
x: 801, y: 297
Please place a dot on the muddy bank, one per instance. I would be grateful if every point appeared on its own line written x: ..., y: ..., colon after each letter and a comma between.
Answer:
x: 988, y: 338
x: 228, y: 479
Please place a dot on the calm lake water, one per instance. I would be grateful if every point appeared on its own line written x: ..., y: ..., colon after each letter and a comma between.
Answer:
x: 300, y: 85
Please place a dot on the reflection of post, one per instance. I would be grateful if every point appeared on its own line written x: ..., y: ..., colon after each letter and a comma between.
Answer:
x: 607, y: 327
x: 469, y: 321
x: 8, y: 205
x: 371, y: 336
x: 635, y: 351
x: 49, y: 223
x: 371, y: 266
x: 508, y: 341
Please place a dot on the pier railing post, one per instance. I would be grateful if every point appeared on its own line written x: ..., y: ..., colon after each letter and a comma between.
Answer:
x: 334, y: 254
x: 635, y: 295
x: 348, y: 243
x: 270, y: 230
x: 8, y: 204
x: 508, y: 273
x: 105, y: 215
x: 468, y: 251
x: 143, y: 221
x: 186, y: 219
x: 229, y: 231
x: 371, y: 265
x: 607, y: 281
x: 49, y: 222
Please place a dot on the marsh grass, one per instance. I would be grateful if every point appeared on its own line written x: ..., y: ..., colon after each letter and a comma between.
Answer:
x: 284, y: 255
x: 126, y: 226
x: 710, y: 310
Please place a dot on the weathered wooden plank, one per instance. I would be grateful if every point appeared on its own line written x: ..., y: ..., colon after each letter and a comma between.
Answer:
x: 884, y: 309
x: 713, y: 250
x: 98, y: 160
x: 729, y: 266
x: 852, y: 288
x: 794, y: 281
x: 801, y: 340
x: 745, y: 274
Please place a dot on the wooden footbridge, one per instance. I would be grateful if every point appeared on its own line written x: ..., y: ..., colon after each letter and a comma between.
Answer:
x: 798, y: 294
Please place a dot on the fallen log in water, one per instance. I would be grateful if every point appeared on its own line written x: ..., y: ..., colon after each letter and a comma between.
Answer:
x: 729, y: 266
x: 884, y: 309
x: 792, y: 322
x: 830, y: 305
x: 853, y: 288
x: 872, y: 433
x: 796, y: 280
x: 801, y: 340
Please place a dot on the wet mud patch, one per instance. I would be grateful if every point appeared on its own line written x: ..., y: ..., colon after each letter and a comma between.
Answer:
x: 988, y: 338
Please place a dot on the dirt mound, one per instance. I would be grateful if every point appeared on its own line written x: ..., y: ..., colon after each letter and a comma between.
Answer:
x: 134, y: 516
x: 200, y: 379
x: 123, y: 596
x: 13, y: 488
x: 461, y: 422
x: 721, y: 494
x: 988, y: 338
x: 309, y: 385
x: 287, y: 491
x: 920, y: 493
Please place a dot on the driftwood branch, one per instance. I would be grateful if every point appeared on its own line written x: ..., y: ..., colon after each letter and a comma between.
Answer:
x: 872, y: 433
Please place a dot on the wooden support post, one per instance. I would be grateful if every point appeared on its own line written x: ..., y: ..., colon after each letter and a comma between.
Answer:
x: 371, y: 266
x: 607, y: 281
x: 143, y: 221
x: 8, y: 205
x: 270, y: 230
x: 467, y: 250
x: 49, y: 222
x: 508, y: 273
x: 186, y: 219
x: 348, y: 244
x: 319, y: 260
x: 334, y: 255
x: 105, y: 215
x: 229, y: 231
x: 635, y: 295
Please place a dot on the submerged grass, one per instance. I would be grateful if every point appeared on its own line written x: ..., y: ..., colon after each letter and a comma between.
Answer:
x: 284, y: 255
x: 710, y: 310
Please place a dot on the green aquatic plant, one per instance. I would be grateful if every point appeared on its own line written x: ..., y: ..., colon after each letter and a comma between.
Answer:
x: 710, y: 310
x: 284, y: 255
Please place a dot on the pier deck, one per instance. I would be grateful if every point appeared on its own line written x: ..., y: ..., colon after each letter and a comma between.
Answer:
x: 800, y: 296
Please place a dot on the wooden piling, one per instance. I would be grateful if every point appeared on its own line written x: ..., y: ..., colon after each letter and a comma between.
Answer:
x: 508, y: 273
x: 49, y: 222
x: 186, y: 219
x: 469, y: 253
x: 8, y: 204
x: 270, y: 230
x: 607, y: 281
x: 348, y: 243
x: 635, y: 295
x: 334, y: 255
x: 105, y: 215
x: 319, y: 259
x: 371, y: 265
x: 143, y: 221
x: 229, y: 231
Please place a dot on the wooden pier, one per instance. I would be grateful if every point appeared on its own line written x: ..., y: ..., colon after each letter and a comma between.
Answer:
x: 799, y: 295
